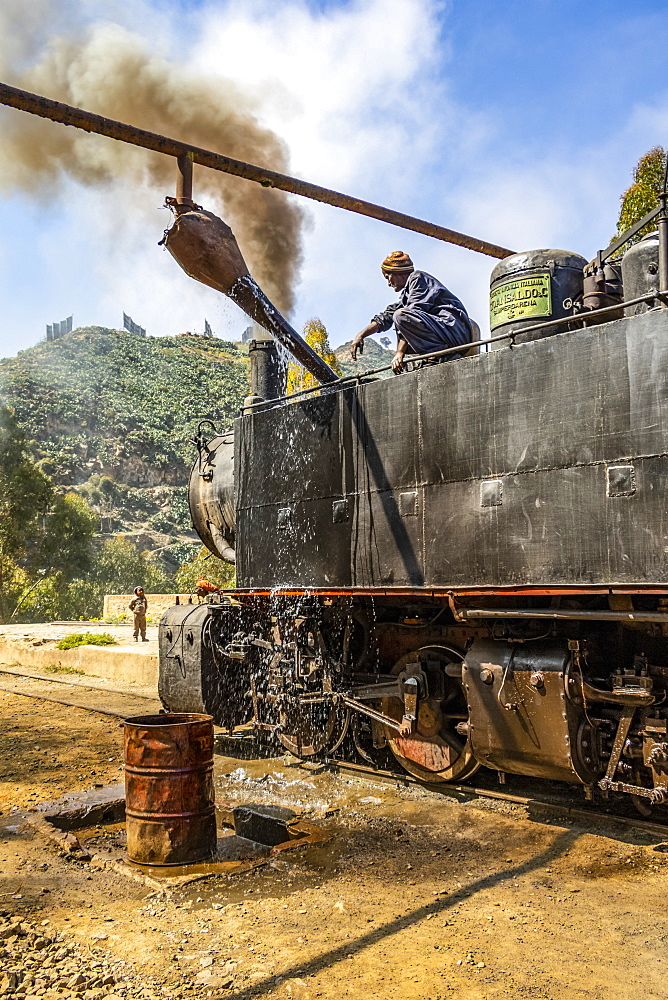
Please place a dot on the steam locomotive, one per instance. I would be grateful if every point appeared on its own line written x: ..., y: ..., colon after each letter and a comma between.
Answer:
x: 466, y: 565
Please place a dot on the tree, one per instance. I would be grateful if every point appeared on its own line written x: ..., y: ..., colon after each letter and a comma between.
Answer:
x: 206, y: 565
x: 25, y: 496
x: 315, y: 334
x: 45, y: 536
x: 64, y: 553
x: 644, y: 194
x: 117, y: 568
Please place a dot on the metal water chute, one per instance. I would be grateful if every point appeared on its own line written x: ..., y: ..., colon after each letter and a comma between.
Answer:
x: 640, y: 272
x: 206, y: 249
x: 530, y: 288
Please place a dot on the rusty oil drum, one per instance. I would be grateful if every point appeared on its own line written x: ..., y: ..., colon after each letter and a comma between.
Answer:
x: 169, y: 794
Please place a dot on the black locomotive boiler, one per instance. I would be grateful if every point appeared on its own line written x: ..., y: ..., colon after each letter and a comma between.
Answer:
x: 468, y: 563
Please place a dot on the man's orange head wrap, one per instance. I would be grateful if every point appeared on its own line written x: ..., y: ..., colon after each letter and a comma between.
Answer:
x: 397, y: 261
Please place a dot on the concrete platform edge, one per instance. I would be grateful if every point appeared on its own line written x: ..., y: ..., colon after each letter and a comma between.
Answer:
x: 119, y: 665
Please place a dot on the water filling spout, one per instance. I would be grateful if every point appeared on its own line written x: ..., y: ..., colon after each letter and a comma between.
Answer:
x: 205, y: 247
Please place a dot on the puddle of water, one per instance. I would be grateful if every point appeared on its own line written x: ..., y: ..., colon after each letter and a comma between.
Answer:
x: 320, y: 795
x: 343, y: 807
x: 102, y: 838
x: 234, y: 855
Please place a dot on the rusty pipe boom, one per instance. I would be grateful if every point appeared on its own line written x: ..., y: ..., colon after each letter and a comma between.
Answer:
x: 65, y: 114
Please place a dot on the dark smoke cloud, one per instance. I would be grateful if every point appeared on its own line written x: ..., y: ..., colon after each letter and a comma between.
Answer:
x: 109, y: 70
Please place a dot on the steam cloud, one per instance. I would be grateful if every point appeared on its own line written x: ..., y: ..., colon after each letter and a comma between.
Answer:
x: 109, y: 70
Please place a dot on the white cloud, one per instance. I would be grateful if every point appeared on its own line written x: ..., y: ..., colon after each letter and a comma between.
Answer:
x: 362, y: 96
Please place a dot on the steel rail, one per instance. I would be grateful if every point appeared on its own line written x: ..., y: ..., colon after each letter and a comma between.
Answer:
x: 61, y: 701
x: 76, y: 683
x: 8, y: 672
x: 65, y: 114
x: 475, y: 792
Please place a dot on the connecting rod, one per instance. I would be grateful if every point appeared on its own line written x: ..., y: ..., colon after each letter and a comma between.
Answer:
x: 65, y: 114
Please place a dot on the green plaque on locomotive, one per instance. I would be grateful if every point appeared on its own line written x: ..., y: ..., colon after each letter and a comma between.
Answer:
x: 520, y: 298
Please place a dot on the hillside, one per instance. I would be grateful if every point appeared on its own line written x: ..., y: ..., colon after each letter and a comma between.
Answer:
x: 112, y: 415
x: 374, y: 356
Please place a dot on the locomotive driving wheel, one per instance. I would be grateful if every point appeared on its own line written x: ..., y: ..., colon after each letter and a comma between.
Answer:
x: 439, y: 750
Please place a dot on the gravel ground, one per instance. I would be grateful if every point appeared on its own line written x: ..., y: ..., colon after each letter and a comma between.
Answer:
x: 38, y: 962
x: 415, y: 895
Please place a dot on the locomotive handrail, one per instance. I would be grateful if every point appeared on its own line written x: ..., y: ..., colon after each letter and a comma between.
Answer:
x: 463, y: 614
x: 648, y: 297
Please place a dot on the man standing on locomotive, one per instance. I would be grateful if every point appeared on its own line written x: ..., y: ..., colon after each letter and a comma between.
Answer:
x: 427, y: 317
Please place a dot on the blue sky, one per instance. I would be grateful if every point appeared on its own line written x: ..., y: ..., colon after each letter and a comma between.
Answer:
x: 517, y: 121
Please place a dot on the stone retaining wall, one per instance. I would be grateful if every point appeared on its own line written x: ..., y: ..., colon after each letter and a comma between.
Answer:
x: 116, y: 605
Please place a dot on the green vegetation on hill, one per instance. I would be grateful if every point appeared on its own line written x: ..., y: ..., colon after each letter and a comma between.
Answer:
x: 105, y: 419
x: 98, y: 429
x: 102, y: 400
x: 45, y: 534
x: 112, y: 415
x: 375, y: 356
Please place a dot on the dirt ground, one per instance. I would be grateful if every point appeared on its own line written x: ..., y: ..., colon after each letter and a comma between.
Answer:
x: 415, y: 895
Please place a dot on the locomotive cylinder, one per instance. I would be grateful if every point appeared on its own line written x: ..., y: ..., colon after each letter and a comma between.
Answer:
x: 530, y: 288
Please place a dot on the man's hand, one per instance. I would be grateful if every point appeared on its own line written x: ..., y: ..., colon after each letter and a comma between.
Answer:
x: 357, y: 346
x: 397, y: 363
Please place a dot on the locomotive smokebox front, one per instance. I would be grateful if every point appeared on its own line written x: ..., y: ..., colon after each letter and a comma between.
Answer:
x: 531, y: 287
x: 211, y: 494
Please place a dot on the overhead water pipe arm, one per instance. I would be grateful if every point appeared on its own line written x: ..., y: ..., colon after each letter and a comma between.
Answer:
x: 65, y: 114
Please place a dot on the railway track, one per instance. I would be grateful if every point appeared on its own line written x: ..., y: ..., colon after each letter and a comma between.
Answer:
x: 99, y: 698
x: 532, y: 801
x: 37, y: 686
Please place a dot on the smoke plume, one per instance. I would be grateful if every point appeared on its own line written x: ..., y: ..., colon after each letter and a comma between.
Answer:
x: 109, y: 70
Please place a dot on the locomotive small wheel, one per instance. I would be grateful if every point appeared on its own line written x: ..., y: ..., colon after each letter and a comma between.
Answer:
x: 311, y: 729
x: 314, y: 729
x: 436, y: 752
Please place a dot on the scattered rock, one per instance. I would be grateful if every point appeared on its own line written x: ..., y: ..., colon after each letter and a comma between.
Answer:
x: 38, y: 963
